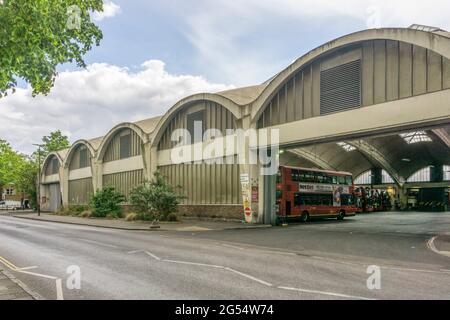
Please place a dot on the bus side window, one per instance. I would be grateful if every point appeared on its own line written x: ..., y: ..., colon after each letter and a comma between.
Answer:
x: 279, y: 177
x: 297, y: 199
x: 348, y: 180
x: 334, y: 179
x: 341, y: 180
x: 294, y: 175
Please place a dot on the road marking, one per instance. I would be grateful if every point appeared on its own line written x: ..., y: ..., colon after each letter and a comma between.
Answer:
x: 13, y: 267
x: 59, y: 290
x: 7, y: 263
x: 327, y: 293
x: 28, y: 268
x: 152, y: 255
x: 134, y: 251
x: 432, y: 247
x: 194, y: 263
x: 249, y: 277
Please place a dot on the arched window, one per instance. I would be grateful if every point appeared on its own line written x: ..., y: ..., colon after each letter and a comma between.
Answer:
x: 446, y: 175
x: 386, y: 177
x: 423, y: 175
x: 364, y: 178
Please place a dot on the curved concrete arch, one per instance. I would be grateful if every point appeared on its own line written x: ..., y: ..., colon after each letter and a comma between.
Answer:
x: 378, y: 157
x: 110, y: 135
x: 313, y: 158
x: 56, y: 154
x: 74, y: 147
x: 213, y: 97
x: 432, y: 41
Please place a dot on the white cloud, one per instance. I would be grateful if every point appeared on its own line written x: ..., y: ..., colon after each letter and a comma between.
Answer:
x: 89, y: 102
x: 222, y: 30
x: 110, y: 9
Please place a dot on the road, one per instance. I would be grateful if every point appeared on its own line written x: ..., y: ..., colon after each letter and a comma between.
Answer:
x: 317, y: 260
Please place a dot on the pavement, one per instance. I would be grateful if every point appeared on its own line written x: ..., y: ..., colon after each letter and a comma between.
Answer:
x: 12, y: 289
x: 187, y: 225
x: 316, y: 260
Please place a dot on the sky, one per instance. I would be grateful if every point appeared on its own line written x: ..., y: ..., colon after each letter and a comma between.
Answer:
x: 155, y: 52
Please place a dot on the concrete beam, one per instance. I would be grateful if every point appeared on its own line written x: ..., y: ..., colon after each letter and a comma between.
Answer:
x: 443, y: 135
x: 385, y: 118
x: 313, y: 158
x: 378, y: 157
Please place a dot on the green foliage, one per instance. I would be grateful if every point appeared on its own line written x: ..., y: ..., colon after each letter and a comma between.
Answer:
x: 10, y: 163
x: 107, y: 202
x: 155, y: 199
x: 35, y: 37
x: 55, y: 141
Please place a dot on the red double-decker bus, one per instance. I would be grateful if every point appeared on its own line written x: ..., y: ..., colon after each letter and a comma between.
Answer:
x: 306, y: 193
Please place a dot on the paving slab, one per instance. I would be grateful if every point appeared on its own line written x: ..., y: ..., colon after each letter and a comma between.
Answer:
x: 12, y: 289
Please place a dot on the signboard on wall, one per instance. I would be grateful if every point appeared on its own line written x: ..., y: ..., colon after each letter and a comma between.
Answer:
x: 246, y: 196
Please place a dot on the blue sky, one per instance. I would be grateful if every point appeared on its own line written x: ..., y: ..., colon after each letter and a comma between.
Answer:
x: 155, y: 52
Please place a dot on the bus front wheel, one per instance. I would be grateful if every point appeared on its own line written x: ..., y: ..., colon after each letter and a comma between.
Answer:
x: 341, y: 215
x: 304, y: 217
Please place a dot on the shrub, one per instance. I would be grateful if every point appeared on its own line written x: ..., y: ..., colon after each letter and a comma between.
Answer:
x: 107, y: 202
x: 156, y: 199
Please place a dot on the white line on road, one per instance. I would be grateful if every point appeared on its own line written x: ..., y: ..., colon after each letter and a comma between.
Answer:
x: 59, y: 290
x: 249, y: 277
x: 432, y: 247
x: 28, y: 268
x: 327, y: 293
x: 194, y: 263
x: 152, y: 255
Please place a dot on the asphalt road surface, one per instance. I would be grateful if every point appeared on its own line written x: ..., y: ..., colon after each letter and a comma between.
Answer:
x: 316, y: 260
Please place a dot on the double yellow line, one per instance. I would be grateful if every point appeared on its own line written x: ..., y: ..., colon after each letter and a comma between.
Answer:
x: 9, y: 264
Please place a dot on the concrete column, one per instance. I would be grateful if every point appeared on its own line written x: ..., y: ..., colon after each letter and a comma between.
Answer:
x: 64, y: 184
x: 437, y: 173
x: 151, y: 161
x: 97, y: 174
x: 377, y: 178
x: 403, y: 197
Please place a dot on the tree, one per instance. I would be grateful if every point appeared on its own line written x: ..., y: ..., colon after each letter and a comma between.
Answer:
x: 11, y: 163
x: 54, y: 142
x: 155, y: 199
x: 36, y: 36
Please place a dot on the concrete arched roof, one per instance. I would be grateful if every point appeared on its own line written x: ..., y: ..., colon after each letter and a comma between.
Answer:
x: 110, y: 135
x: 73, y: 148
x: 438, y: 42
x: 60, y: 155
x: 223, y: 99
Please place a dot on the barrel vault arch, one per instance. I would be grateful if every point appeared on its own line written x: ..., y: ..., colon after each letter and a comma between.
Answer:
x: 224, y: 102
x: 74, y: 148
x: 438, y: 43
x: 114, y: 131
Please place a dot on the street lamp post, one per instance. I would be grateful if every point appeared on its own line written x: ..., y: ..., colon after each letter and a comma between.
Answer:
x: 39, y: 180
